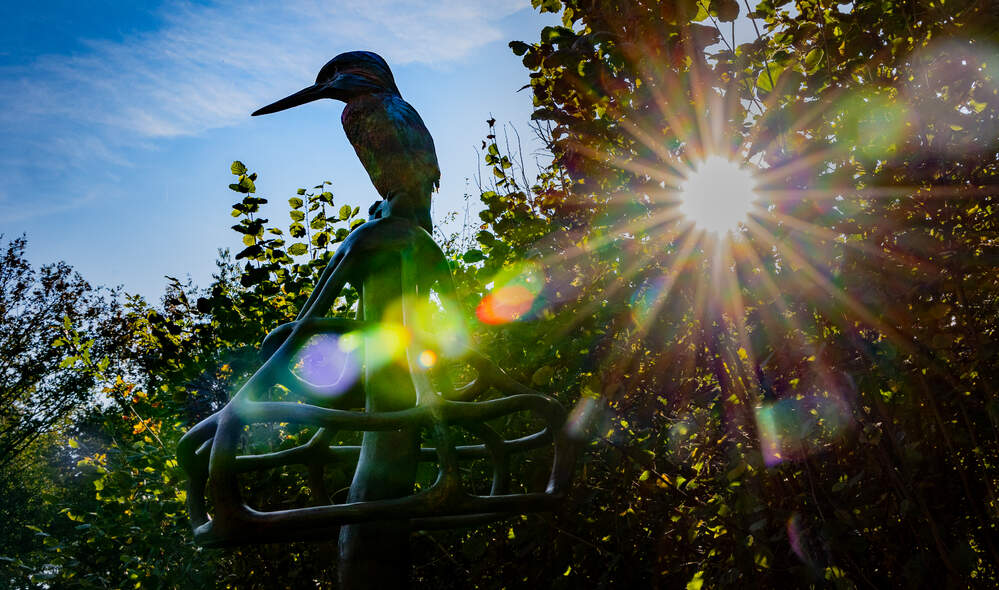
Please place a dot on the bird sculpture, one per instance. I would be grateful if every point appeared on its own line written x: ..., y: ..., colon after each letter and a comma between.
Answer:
x: 386, y: 132
x: 393, y: 263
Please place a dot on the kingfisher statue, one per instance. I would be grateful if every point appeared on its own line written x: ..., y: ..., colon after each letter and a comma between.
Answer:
x: 393, y: 263
x: 387, y: 133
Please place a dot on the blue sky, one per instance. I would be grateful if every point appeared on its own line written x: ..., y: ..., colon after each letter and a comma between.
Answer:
x: 120, y: 119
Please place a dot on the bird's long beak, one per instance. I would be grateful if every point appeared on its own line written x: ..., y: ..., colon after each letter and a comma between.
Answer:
x: 303, y: 96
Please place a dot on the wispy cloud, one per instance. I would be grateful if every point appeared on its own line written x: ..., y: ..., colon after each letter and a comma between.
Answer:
x: 206, y: 67
x: 210, y: 65
x: 16, y: 210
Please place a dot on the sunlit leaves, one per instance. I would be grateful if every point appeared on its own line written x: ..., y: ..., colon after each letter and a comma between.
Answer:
x: 867, y: 136
x: 813, y: 60
x: 768, y: 77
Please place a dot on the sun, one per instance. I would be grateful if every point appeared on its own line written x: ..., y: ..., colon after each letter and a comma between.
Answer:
x: 717, y: 195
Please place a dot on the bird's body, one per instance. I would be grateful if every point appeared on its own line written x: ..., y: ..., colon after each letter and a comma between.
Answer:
x: 386, y: 132
x: 394, y: 146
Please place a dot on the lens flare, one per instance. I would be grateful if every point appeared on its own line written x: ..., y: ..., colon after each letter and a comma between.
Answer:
x: 513, y: 295
x: 327, y: 364
x: 427, y: 359
x: 874, y: 123
x: 382, y: 344
x: 647, y: 299
x: 956, y: 67
x: 796, y: 537
x: 793, y: 427
x: 718, y: 195
x: 442, y: 332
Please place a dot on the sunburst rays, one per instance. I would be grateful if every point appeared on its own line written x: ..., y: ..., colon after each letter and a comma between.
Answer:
x: 788, y: 227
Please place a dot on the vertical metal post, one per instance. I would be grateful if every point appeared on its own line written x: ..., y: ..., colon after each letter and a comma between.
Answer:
x: 376, y: 555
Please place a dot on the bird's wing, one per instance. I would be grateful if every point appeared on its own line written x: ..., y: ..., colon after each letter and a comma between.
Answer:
x: 392, y: 143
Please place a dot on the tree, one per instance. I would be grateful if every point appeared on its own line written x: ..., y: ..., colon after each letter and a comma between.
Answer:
x: 109, y: 506
x: 806, y: 400
x: 39, y: 387
x: 808, y: 403
x: 41, y: 392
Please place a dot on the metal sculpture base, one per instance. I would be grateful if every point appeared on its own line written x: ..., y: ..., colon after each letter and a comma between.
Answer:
x: 389, y: 260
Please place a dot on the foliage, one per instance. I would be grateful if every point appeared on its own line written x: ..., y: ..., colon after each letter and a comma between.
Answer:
x: 38, y: 386
x: 108, y: 507
x: 41, y: 390
x: 812, y: 401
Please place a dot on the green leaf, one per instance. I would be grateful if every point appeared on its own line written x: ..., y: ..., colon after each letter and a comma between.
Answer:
x: 473, y: 256
x: 238, y: 168
x: 702, y: 13
x: 737, y: 471
x: 519, y: 47
x: 813, y: 60
x: 297, y: 249
x: 252, y: 252
x: 553, y: 6
x: 543, y: 376
x: 296, y: 215
x: 696, y: 582
x: 345, y: 212
x: 301, y: 191
x: 726, y: 10
x: 768, y: 77
x: 295, y: 202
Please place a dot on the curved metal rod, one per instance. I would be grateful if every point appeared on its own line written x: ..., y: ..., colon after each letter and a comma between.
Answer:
x: 193, y: 460
x: 245, y: 525
x: 456, y: 412
x: 317, y: 485
x: 209, y: 450
x: 498, y: 454
x: 301, y: 455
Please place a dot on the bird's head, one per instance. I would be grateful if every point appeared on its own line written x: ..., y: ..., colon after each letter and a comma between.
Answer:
x: 344, y: 77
